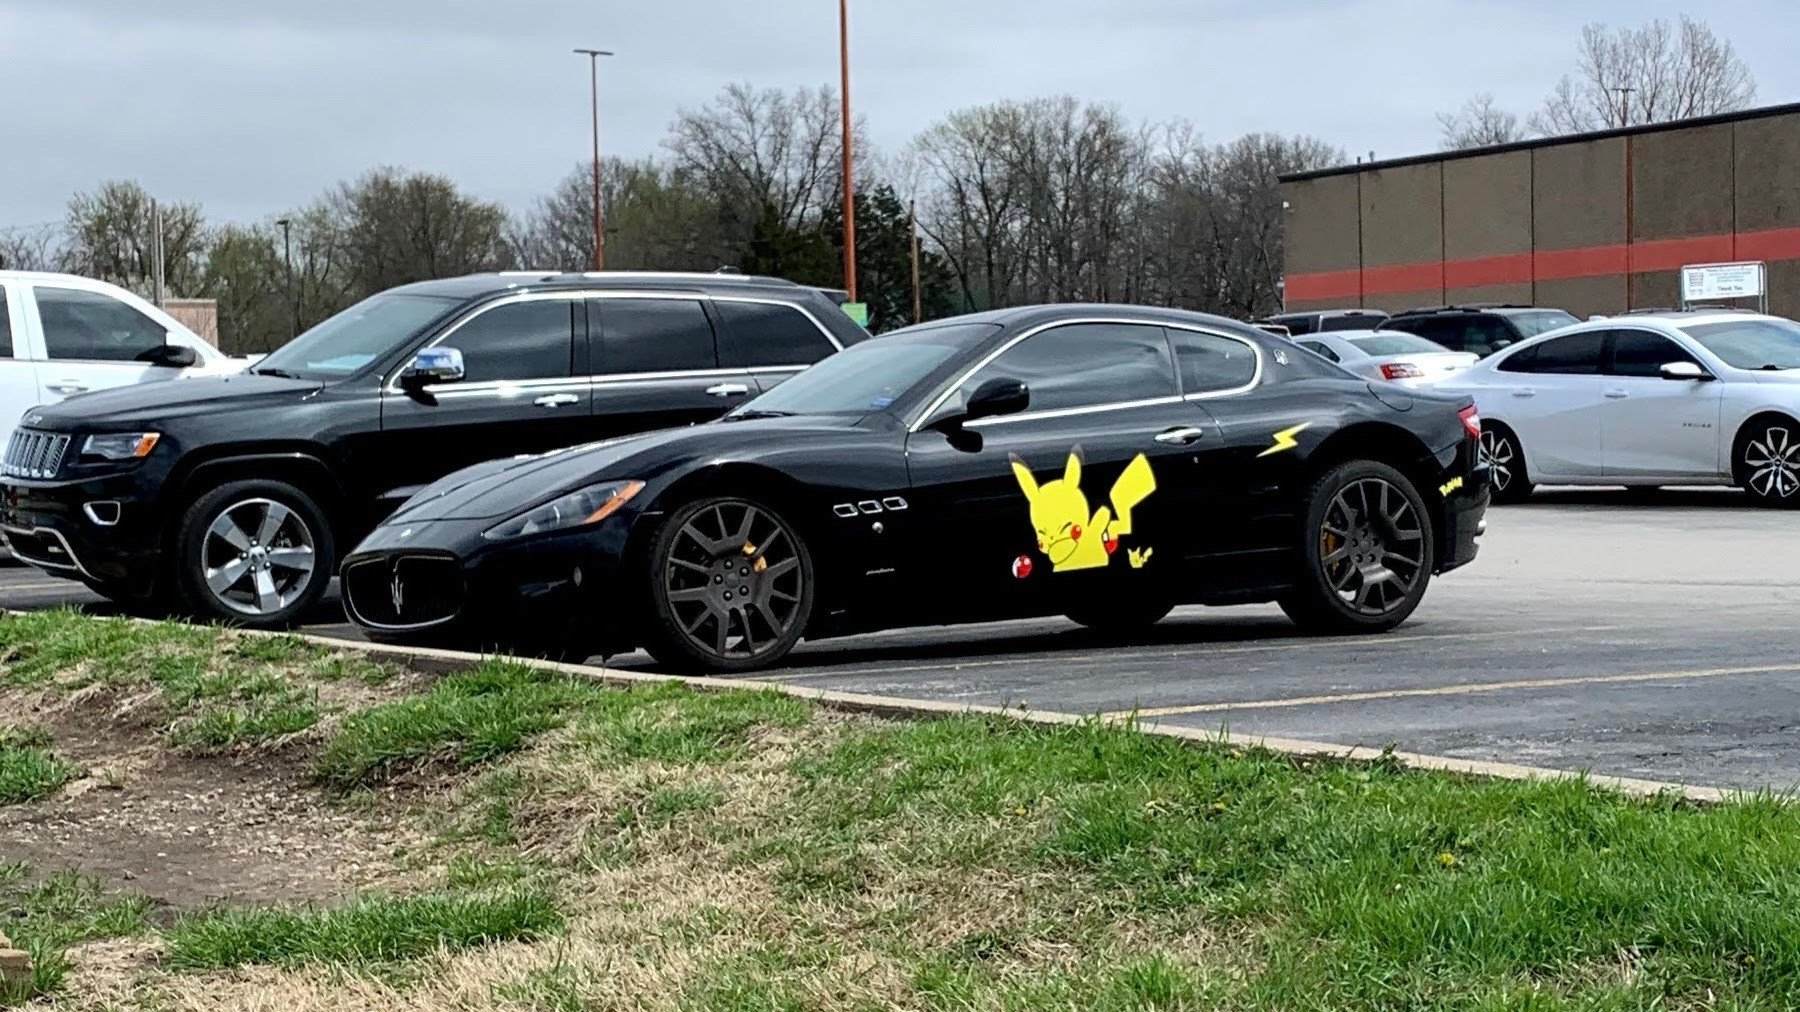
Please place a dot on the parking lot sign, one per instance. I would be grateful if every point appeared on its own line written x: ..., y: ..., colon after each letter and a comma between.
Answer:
x: 1712, y: 282
x: 859, y: 311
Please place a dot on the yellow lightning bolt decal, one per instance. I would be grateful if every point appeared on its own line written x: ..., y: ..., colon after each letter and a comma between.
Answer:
x: 1284, y: 440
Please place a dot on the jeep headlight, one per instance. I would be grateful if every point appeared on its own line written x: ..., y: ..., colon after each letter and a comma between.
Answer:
x: 119, y: 445
x: 577, y: 509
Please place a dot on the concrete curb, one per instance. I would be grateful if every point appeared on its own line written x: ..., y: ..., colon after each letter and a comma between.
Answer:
x: 430, y: 659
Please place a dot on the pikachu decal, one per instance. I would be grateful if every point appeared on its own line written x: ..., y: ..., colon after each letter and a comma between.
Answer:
x: 1070, y: 536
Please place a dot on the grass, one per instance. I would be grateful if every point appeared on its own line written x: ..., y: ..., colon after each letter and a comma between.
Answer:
x: 47, y: 917
x: 368, y: 930
x: 735, y: 851
x: 219, y: 691
x: 28, y: 769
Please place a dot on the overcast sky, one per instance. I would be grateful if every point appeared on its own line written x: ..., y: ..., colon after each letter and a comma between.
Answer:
x: 252, y: 107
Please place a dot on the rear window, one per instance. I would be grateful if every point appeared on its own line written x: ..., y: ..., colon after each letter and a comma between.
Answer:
x: 1397, y: 344
x: 1540, y: 321
x: 1357, y: 321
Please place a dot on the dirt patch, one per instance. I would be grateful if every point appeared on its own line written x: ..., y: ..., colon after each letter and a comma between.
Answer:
x: 188, y: 830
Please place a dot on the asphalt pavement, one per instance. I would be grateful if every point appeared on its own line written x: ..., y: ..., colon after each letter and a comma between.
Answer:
x: 1640, y: 635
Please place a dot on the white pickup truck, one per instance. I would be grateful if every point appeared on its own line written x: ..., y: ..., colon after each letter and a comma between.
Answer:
x: 62, y: 335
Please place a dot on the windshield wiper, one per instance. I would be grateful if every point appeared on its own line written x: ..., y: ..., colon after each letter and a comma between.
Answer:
x: 268, y: 371
x: 755, y: 413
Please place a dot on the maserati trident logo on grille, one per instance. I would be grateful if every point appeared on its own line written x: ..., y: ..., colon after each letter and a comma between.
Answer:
x: 397, y: 592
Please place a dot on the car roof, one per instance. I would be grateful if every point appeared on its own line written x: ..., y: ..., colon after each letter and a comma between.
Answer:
x: 1030, y: 316
x: 1498, y: 309
x: 478, y: 285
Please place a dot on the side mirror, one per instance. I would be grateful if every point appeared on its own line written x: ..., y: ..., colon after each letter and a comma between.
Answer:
x: 1683, y: 371
x: 431, y: 366
x: 173, y: 356
x: 997, y: 397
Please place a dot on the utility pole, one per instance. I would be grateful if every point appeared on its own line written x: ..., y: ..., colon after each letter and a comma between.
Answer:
x: 1624, y: 104
x: 593, y: 56
x: 156, y: 254
x: 287, y: 254
x: 912, y: 233
x: 849, y: 162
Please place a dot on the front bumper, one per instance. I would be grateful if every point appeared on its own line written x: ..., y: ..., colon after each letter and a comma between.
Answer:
x: 101, y: 529
x: 441, y: 581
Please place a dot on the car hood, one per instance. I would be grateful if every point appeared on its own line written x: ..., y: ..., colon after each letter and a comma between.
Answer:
x: 500, y: 488
x: 153, y: 402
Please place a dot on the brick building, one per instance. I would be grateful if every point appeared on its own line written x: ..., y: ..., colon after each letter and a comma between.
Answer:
x: 1595, y: 223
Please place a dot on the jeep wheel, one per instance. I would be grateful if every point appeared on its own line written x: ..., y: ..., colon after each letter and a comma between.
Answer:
x: 253, y: 553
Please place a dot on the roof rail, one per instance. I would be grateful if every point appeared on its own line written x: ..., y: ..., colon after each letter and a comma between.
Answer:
x: 710, y: 277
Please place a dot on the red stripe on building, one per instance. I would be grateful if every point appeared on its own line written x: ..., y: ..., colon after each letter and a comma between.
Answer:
x: 1545, y: 265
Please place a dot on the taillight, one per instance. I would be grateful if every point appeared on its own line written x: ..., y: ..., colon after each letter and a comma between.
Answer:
x: 1471, y: 419
x: 1400, y: 371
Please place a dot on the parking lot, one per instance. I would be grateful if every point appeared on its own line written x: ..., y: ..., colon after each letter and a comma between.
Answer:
x: 1641, y: 635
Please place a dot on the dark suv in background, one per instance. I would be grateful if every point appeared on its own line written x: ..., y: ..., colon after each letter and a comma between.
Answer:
x: 1324, y: 320
x: 232, y: 497
x: 1480, y: 330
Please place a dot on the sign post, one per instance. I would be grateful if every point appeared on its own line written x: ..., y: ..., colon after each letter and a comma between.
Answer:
x: 1713, y: 282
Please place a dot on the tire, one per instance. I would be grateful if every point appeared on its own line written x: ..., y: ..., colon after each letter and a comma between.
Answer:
x: 1766, y: 461
x: 699, y: 621
x: 275, y: 583
x: 1332, y: 593
x: 1123, y: 616
x: 1505, y: 455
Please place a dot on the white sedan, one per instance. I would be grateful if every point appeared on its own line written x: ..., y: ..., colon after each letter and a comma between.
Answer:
x: 1391, y: 355
x: 1696, y: 398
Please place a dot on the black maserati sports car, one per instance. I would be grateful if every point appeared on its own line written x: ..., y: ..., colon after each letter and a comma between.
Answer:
x: 1106, y: 463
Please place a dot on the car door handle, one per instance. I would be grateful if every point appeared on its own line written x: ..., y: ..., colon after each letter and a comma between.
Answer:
x: 67, y: 388
x: 728, y: 390
x: 1617, y: 395
x: 1527, y: 392
x: 1181, y: 436
x: 557, y: 400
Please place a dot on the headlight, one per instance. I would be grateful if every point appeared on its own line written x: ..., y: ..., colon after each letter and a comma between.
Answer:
x: 577, y: 509
x: 120, y: 445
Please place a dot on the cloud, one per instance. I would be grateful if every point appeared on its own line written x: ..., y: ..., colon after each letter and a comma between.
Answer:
x: 254, y: 108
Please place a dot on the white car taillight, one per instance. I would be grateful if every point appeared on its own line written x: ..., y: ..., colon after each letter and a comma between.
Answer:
x: 1400, y: 370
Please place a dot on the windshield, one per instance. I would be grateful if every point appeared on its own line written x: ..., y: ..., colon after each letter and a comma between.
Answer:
x: 1752, y: 343
x: 1397, y: 343
x: 869, y: 376
x: 1540, y: 321
x: 355, y: 337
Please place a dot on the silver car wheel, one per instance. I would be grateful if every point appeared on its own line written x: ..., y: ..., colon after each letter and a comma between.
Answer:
x: 1772, y: 463
x: 257, y: 557
x: 1497, y: 451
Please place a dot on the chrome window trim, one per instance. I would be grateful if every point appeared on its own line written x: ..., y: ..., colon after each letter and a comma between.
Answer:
x: 1091, y: 409
x: 950, y: 390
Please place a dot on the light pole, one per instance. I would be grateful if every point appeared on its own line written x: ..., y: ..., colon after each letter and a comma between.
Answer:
x: 849, y: 161
x: 287, y: 254
x: 593, y: 56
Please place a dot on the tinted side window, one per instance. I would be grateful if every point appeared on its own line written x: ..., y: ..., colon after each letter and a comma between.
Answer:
x: 1086, y: 364
x: 1349, y: 323
x: 1519, y: 361
x: 89, y: 326
x: 520, y: 341
x: 1641, y: 353
x: 1577, y: 354
x: 5, y: 326
x: 1303, y: 324
x: 762, y: 334
x: 1318, y: 349
x: 654, y: 335
x: 1208, y: 363
x: 1485, y: 335
x: 1424, y: 326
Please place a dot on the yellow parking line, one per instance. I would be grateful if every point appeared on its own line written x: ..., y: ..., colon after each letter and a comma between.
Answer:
x: 1198, y: 650
x: 1456, y: 690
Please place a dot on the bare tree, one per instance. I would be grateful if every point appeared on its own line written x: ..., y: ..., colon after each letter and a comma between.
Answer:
x: 655, y: 219
x: 1479, y: 123
x: 1650, y: 74
x: 111, y: 237
x: 36, y: 248
x: 398, y: 227
x: 763, y: 151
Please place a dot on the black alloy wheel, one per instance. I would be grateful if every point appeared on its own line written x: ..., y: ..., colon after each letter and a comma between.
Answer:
x: 1369, y: 551
x: 1506, y: 464
x: 733, y: 587
x: 1768, y: 462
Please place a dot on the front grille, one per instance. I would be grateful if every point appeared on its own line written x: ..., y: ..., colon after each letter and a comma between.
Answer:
x: 404, y: 591
x: 33, y: 454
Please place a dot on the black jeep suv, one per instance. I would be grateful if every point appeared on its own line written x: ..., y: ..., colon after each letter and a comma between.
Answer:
x: 231, y: 498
